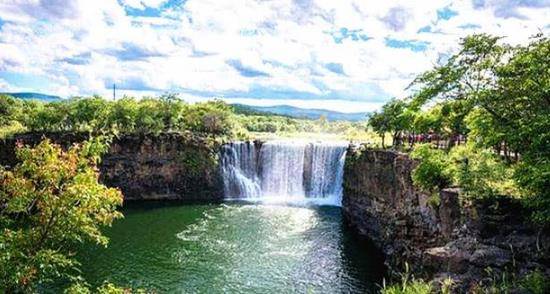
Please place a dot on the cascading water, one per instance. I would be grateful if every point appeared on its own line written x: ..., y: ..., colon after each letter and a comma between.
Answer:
x: 239, y: 169
x: 284, y: 171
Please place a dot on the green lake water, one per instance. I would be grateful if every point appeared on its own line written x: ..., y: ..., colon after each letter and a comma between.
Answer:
x: 234, y: 248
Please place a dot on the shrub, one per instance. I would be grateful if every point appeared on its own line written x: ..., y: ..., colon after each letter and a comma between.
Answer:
x: 535, y: 180
x: 408, y: 285
x: 431, y: 173
x: 411, y: 287
x: 11, y: 129
x: 535, y: 283
x: 480, y: 172
x: 49, y: 203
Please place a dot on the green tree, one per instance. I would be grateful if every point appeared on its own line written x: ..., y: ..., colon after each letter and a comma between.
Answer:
x: 426, y: 121
x: 432, y: 173
x: 523, y: 106
x: 380, y: 124
x: 10, y: 109
x: 499, y: 96
x: 464, y: 80
x: 214, y: 117
x: 50, y: 117
x: 124, y: 115
x: 394, y: 118
x: 149, y: 116
x: 12, y: 113
x: 89, y: 114
x: 49, y: 202
x: 480, y: 172
x: 174, y: 110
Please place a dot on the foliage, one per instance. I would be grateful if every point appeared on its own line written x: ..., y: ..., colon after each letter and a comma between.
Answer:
x: 282, y: 125
x: 431, y: 173
x: 163, y: 114
x: 393, y: 118
x: 535, y: 283
x: 197, y: 161
x: 10, y: 109
x: 210, y: 117
x: 495, y: 96
x: 106, y: 288
x: 504, y: 93
x: 380, y: 124
x: 480, y: 172
x: 127, y: 115
x: 430, y: 120
x: 88, y: 114
x: 50, y: 202
x: 11, y: 129
x: 534, y: 179
x: 408, y: 285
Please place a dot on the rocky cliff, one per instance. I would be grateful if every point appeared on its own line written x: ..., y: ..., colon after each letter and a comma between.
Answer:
x: 169, y: 166
x: 440, y: 235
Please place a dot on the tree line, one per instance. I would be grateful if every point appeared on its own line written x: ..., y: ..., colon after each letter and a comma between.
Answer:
x: 151, y: 115
x: 127, y: 115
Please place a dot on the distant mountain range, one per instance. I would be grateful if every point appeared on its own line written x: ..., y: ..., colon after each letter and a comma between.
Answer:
x: 34, y: 96
x: 284, y: 110
x: 297, y: 112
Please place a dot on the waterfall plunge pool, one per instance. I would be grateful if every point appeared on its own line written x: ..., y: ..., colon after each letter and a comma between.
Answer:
x: 275, y: 242
x: 234, y: 248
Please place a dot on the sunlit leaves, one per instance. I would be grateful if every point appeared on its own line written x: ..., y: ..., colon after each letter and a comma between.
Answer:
x: 128, y: 115
x: 48, y: 203
x: 499, y: 97
x: 431, y: 173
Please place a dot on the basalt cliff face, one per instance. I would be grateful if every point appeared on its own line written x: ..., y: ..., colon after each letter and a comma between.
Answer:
x: 438, y: 238
x: 169, y: 166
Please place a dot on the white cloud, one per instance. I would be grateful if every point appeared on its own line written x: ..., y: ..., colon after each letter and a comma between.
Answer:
x: 142, y: 4
x: 83, y: 46
x: 6, y: 87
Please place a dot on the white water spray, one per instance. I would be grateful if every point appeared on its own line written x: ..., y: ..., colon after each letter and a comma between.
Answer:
x: 284, y: 171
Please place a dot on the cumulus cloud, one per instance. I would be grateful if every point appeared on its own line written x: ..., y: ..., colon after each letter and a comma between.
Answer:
x: 310, y: 50
x: 397, y: 18
x: 510, y: 8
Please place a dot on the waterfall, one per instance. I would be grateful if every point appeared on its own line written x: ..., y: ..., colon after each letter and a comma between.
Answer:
x: 239, y: 169
x: 284, y: 171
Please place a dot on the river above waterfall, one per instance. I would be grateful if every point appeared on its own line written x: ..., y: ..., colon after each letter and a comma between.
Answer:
x: 233, y: 248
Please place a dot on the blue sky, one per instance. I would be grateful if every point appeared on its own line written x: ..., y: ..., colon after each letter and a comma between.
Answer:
x: 341, y: 55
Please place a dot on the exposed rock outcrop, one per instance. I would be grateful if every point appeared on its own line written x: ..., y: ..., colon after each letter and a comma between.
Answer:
x: 438, y: 235
x: 170, y: 166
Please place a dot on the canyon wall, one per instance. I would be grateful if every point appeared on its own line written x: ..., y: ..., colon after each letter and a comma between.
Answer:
x: 440, y: 235
x: 168, y: 166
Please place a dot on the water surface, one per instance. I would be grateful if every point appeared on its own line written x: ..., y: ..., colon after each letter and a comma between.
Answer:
x: 234, y: 248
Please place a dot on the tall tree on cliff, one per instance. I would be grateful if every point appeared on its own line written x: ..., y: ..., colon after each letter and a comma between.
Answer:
x: 464, y: 80
x: 394, y: 118
x: 503, y: 93
x: 522, y: 101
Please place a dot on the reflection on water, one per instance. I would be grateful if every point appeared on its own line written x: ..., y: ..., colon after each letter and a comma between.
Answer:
x: 234, y: 248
